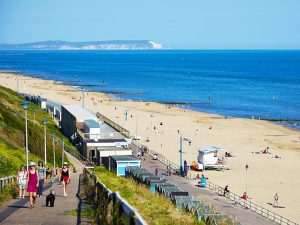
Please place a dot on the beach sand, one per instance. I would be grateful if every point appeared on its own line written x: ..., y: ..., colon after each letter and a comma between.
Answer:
x: 242, y: 137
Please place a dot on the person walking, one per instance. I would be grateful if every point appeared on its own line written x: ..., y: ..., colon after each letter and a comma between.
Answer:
x: 32, y: 183
x: 156, y: 172
x: 42, y: 174
x: 22, y: 181
x: 275, y: 204
x: 65, y: 177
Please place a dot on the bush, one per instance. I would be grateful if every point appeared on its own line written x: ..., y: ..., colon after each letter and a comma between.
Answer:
x: 8, y: 192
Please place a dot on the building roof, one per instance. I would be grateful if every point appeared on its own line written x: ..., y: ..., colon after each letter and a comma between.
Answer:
x: 79, y: 113
x: 104, y: 140
x: 124, y: 158
x: 210, y: 149
x: 91, y: 124
x: 112, y: 148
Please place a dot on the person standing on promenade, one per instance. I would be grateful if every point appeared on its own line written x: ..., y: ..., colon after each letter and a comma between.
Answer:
x: 42, y: 173
x: 65, y: 177
x: 21, y: 181
x: 275, y: 204
x: 32, y: 183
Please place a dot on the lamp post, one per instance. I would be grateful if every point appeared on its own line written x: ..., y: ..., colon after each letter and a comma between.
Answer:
x: 126, y: 117
x: 25, y: 107
x: 180, y: 153
x: 44, y: 121
x: 53, y: 144
x: 82, y: 99
x: 247, y: 178
x: 63, y: 151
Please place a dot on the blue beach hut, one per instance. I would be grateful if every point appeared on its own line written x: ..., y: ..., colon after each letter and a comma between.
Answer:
x: 118, y: 163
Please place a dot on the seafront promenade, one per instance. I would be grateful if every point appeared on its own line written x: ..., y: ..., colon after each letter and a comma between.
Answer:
x: 18, y: 212
x: 220, y: 203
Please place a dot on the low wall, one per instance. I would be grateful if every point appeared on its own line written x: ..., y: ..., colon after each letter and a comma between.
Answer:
x: 111, y: 123
x: 111, y: 208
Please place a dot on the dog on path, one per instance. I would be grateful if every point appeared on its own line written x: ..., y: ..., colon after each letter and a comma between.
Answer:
x: 50, y: 199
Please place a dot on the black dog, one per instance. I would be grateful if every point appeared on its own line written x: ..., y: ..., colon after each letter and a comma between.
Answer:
x: 50, y: 199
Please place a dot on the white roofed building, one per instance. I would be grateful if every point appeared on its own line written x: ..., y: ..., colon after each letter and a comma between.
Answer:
x: 73, y: 117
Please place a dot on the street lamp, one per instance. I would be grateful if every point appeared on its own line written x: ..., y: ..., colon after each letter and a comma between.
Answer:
x: 63, y: 151
x: 44, y: 121
x: 82, y: 99
x: 246, y: 179
x: 25, y: 107
x: 180, y: 152
x: 53, y: 144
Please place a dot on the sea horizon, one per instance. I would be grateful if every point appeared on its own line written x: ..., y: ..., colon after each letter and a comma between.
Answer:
x: 234, y: 83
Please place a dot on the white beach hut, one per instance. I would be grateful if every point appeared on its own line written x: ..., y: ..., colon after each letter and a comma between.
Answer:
x: 208, y: 155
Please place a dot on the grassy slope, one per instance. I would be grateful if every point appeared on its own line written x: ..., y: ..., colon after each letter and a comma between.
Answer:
x: 12, y: 138
x: 153, y: 208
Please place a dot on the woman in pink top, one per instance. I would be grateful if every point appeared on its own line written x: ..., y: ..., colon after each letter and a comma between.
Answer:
x: 32, y: 183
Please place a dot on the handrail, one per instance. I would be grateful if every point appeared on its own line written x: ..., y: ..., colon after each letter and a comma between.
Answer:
x: 250, y: 205
x: 5, y: 181
x: 220, y: 190
x: 160, y: 157
x: 77, y: 155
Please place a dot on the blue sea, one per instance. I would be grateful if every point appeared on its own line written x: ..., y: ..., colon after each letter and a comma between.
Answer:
x: 259, y: 84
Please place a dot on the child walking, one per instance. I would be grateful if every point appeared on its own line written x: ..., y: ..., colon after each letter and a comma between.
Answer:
x: 22, y: 181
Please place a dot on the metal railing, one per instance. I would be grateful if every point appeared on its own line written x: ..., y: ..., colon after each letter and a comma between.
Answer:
x: 76, y: 154
x: 160, y: 157
x: 111, y: 206
x: 250, y: 205
x: 220, y: 190
x: 7, y: 181
x: 116, y: 126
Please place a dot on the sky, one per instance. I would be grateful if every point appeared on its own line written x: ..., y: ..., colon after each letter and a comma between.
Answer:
x: 178, y: 24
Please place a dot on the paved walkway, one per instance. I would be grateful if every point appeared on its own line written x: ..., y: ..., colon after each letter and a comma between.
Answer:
x: 18, y: 211
x: 221, y: 204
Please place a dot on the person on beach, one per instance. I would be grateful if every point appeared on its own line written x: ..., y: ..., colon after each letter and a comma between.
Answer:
x: 42, y: 173
x: 32, y: 183
x: 245, y: 196
x: 226, y: 190
x: 275, y: 204
x: 156, y: 172
x: 22, y: 181
x: 65, y: 177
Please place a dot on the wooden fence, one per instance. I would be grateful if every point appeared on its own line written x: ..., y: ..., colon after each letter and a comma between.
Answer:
x: 6, y: 181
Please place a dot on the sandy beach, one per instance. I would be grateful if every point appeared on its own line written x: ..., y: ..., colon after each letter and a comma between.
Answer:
x: 267, y: 175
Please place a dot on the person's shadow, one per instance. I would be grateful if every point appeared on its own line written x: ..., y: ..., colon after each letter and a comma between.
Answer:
x: 281, y: 207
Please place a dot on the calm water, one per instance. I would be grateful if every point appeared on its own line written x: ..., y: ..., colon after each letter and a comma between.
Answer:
x: 262, y: 84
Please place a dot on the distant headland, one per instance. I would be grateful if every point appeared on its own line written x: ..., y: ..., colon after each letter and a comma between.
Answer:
x: 91, y: 45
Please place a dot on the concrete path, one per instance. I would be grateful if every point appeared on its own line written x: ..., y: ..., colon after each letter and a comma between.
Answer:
x: 18, y: 211
x: 220, y: 203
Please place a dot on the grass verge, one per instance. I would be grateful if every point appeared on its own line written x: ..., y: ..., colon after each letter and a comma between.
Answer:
x: 153, y: 208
